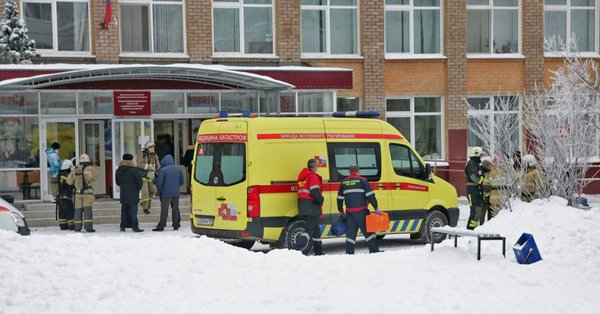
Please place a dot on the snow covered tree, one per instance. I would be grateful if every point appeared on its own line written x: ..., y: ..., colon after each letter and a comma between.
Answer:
x: 15, y: 45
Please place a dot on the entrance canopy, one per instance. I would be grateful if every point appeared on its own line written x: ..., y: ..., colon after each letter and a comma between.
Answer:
x: 211, y: 75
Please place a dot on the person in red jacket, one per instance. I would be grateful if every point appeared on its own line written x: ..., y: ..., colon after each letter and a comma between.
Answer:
x: 310, y: 201
x: 357, y: 193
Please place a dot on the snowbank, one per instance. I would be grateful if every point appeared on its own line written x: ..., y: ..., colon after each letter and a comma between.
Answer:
x: 178, y: 273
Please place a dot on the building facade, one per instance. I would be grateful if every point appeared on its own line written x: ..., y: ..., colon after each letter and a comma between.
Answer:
x: 415, y: 61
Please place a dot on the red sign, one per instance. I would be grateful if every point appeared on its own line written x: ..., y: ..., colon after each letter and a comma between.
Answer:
x: 132, y: 103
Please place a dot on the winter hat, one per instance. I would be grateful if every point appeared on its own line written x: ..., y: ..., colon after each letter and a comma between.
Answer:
x: 127, y: 156
x: 55, y: 146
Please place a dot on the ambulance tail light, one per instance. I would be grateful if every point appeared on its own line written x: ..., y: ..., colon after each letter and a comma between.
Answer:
x: 253, y: 202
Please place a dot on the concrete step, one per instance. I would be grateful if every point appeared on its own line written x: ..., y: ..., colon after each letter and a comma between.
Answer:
x: 98, y: 204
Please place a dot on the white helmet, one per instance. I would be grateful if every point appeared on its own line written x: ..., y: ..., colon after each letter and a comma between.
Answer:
x: 529, y: 160
x: 84, y: 158
x: 66, y: 164
x: 476, y: 151
x: 149, y: 144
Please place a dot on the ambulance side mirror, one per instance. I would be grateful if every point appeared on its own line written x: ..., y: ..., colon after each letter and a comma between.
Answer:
x: 427, y: 174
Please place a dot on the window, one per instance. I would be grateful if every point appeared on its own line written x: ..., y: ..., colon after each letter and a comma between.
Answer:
x: 366, y: 155
x: 329, y: 27
x: 224, y: 160
x: 243, y: 26
x: 493, y: 26
x: 487, y: 111
x: 98, y: 102
x: 58, y: 26
x: 419, y: 119
x: 314, y: 102
x: 348, y: 104
x: 152, y: 26
x: 167, y: 103
x: 203, y: 103
x: 412, y: 26
x: 405, y: 162
x: 568, y: 18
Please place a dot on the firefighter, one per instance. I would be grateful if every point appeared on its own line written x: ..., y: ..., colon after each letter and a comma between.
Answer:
x: 532, y: 179
x: 357, y: 193
x: 310, y: 201
x: 495, y: 192
x: 82, y: 177
x: 66, y: 208
x: 474, y: 181
x: 150, y: 162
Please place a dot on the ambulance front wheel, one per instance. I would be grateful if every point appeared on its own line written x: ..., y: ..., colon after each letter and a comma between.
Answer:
x: 434, y: 219
x: 293, y: 238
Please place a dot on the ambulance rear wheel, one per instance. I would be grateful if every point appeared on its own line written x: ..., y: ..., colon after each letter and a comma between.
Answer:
x: 243, y: 244
x: 432, y: 220
x: 293, y: 239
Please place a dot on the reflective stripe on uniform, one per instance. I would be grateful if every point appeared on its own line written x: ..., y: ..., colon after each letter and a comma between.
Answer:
x: 340, y: 197
x: 317, y: 240
x: 354, y: 191
x: 316, y: 186
x: 370, y: 193
x: 371, y: 237
x: 350, y: 240
x: 304, y: 191
x: 88, y: 220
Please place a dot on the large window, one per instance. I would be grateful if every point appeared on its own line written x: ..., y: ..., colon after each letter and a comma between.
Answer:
x: 493, y: 26
x: 487, y: 111
x: 224, y: 161
x: 58, y: 26
x: 329, y: 27
x: 243, y: 26
x: 573, y: 20
x: 367, y: 156
x: 412, y: 27
x: 405, y: 162
x: 152, y: 26
x: 419, y: 119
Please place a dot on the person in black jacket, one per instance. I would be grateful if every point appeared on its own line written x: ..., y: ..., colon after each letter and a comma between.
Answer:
x: 474, y: 181
x: 129, y: 179
x: 310, y: 200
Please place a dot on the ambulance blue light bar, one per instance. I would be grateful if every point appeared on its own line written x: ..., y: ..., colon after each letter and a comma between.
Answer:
x: 245, y: 113
x: 356, y: 114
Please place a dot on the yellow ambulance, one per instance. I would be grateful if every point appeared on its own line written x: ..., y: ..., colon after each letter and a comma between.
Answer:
x: 245, y: 170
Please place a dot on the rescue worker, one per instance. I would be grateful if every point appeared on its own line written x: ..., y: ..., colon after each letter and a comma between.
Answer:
x: 150, y: 162
x: 532, y: 179
x: 82, y: 177
x: 494, y: 189
x: 310, y: 202
x: 356, y: 192
x: 474, y: 181
x: 66, y: 209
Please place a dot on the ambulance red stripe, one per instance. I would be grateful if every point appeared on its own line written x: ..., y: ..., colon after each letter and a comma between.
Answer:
x: 318, y: 136
x: 334, y: 187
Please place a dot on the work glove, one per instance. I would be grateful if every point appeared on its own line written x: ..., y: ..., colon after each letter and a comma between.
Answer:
x: 377, y: 211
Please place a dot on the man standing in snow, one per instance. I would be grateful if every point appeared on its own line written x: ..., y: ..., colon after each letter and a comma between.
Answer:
x: 66, y: 209
x: 149, y: 162
x: 474, y: 181
x: 357, y: 193
x: 129, y: 179
x: 310, y: 201
x: 168, y: 181
x: 82, y: 177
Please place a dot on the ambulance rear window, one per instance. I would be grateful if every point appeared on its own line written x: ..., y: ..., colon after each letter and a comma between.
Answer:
x: 220, y: 164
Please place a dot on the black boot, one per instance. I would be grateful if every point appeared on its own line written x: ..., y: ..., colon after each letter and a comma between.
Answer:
x: 158, y: 228
x: 146, y: 211
x: 138, y: 230
x: 122, y: 229
x: 91, y: 230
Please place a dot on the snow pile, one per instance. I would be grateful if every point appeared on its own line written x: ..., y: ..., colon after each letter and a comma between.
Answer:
x: 178, y: 273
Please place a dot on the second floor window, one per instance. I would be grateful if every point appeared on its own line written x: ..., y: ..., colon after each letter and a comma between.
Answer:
x: 568, y: 18
x: 412, y: 26
x: 329, y: 27
x: 58, y: 26
x: 243, y: 26
x: 493, y: 26
x: 152, y: 26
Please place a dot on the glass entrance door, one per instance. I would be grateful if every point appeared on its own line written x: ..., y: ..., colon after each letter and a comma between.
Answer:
x: 65, y: 133
x: 92, y: 143
x: 129, y: 136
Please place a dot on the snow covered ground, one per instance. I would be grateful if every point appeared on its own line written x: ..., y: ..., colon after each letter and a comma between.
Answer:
x: 175, y: 272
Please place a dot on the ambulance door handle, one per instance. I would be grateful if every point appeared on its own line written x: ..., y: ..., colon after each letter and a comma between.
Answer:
x: 397, y: 185
x: 380, y: 186
x: 221, y: 198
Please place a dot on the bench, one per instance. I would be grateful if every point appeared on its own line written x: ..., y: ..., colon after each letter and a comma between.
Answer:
x: 481, y: 236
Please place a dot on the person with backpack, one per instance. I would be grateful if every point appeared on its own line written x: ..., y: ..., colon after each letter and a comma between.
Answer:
x: 82, y: 178
x: 168, y: 182
x: 66, y: 209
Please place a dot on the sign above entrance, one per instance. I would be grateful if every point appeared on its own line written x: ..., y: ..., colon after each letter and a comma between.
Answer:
x: 132, y: 103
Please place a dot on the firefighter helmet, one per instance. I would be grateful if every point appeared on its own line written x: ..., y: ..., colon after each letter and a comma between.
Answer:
x: 66, y: 164
x: 476, y: 151
x: 529, y: 160
x: 84, y: 158
x: 149, y: 144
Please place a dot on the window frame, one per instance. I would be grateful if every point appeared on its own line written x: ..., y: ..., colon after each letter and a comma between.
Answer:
x: 410, y: 8
x: 490, y: 112
x: 412, y: 154
x: 567, y: 8
x: 240, y: 5
x: 491, y: 8
x: 412, y: 114
x: 54, y: 51
x: 327, y: 54
x: 336, y: 176
x: 150, y: 4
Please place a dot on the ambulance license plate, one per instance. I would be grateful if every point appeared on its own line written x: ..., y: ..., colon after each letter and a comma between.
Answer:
x: 205, y: 221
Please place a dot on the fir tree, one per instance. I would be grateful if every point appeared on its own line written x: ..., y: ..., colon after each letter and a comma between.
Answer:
x: 15, y: 45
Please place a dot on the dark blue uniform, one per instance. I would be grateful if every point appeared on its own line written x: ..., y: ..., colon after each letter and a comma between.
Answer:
x: 357, y: 193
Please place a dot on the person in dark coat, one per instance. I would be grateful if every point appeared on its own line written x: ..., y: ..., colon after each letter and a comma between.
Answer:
x: 129, y: 179
x: 310, y: 200
x: 168, y: 182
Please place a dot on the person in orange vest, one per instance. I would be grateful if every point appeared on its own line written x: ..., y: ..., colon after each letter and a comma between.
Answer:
x: 310, y: 201
x: 357, y: 193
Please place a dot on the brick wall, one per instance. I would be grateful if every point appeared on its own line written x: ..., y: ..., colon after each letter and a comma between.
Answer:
x: 373, y: 51
x: 199, y: 30
x: 490, y: 77
x: 287, y: 30
x: 456, y: 51
x: 415, y: 77
x: 533, y: 43
x: 105, y: 42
